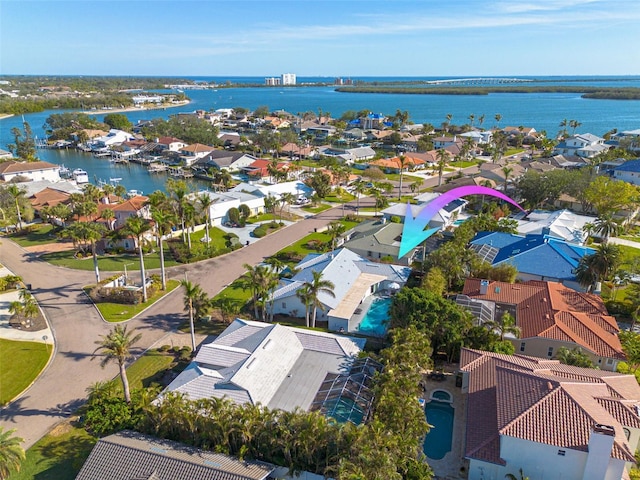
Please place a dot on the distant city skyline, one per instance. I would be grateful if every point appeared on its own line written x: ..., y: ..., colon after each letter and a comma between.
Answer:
x: 324, y: 38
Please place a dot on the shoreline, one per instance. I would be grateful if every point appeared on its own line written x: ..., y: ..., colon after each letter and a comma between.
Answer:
x: 6, y: 115
x: 135, y: 109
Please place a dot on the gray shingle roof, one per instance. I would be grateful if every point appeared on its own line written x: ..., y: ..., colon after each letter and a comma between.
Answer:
x: 130, y: 455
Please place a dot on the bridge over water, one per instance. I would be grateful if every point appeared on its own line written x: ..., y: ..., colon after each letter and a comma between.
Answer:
x: 477, y: 81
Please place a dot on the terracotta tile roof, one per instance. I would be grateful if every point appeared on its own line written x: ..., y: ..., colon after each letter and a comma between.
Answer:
x: 197, y: 148
x: 551, y: 310
x: 169, y: 140
x: 19, y: 167
x: 543, y: 401
x: 49, y: 197
x: 133, y: 204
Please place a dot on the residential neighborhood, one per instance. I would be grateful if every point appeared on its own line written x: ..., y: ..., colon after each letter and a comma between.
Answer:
x: 260, y: 298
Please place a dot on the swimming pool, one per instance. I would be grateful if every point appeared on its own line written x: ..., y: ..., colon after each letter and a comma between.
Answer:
x: 376, y: 320
x: 344, y: 409
x: 438, y: 441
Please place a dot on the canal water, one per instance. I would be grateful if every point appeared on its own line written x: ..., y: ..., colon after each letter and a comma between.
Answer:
x: 543, y: 111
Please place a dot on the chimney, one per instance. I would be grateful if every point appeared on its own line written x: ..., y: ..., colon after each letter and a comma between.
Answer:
x: 484, y: 287
x: 599, y: 452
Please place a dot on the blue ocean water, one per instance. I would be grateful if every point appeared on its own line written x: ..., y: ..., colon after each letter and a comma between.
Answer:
x: 543, y: 111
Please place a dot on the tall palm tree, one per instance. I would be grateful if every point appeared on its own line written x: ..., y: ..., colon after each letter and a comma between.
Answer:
x: 481, y: 120
x: 443, y: 157
x: 83, y: 234
x: 108, y: 215
x: 315, y: 288
x: 285, y: 199
x: 404, y: 162
x: 137, y: 227
x: 116, y: 347
x: 255, y: 281
x: 18, y: 195
x: 304, y: 294
x: 205, y: 201
x: 179, y: 191
x: 334, y: 230
x: 191, y: 293
x: 506, y: 324
x: 359, y: 187
x: 11, y: 453
x: 598, y: 266
x: 507, y: 171
x: 164, y: 221
x: 498, y: 117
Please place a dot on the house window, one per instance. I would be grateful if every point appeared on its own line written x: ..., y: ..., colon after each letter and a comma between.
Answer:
x: 627, y: 432
x: 284, y: 304
x: 550, y: 352
x: 562, y: 453
x: 522, y: 344
x: 609, y: 361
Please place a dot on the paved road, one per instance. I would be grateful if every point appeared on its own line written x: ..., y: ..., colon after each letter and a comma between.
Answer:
x: 77, y: 325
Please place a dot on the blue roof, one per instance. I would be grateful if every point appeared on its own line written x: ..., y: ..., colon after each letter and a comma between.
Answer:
x: 540, y: 255
x: 630, y: 166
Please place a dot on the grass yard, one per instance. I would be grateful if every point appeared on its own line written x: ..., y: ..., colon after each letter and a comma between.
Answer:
x: 263, y: 217
x: 59, y: 455
x: 629, y: 257
x: 21, y: 363
x: 216, y: 235
x: 111, y: 263
x: 148, y: 369
x: 118, y: 312
x: 317, y: 209
x: 41, y: 235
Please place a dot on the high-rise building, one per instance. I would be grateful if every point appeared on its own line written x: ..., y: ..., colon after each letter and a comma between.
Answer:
x: 288, y: 78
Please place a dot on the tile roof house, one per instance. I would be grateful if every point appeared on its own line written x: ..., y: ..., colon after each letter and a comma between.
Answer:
x: 34, y: 171
x: 275, y: 365
x: 548, y: 419
x: 549, y: 316
x: 537, y: 257
x: 354, y: 277
x: 193, y: 152
x: 49, y: 197
x: 172, y: 144
x: 130, y: 455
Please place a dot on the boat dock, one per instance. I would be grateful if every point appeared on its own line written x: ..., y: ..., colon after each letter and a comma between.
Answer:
x: 179, y: 172
x: 157, y: 168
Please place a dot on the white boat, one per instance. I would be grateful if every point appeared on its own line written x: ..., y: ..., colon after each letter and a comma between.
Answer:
x: 80, y: 176
x: 115, y: 180
x: 134, y: 193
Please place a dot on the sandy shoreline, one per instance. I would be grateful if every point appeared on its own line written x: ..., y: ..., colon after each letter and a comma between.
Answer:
x: 136, y: 109
x: 5, y: 115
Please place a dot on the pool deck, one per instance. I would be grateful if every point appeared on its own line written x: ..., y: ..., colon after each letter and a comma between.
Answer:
x: 361, y: 311
x: 449, y: 467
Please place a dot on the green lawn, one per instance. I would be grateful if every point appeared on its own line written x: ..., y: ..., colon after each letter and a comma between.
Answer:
x: 41, y: 235
x: 118, y: 312
x: 59, y: 455
x: 513, y: 151
x: 216, y: 235
x: 342, y: 198
x: 317, y: 209
x: 21, y: 363
x: 629, y: 256
x: 111, y: 263
x: 148, y: 369
x: 263, y: 217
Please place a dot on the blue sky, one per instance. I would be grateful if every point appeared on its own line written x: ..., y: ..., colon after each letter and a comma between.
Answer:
x: 320, y: 38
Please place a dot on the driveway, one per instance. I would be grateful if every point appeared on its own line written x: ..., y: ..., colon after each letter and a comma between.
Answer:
x: 76, y: 325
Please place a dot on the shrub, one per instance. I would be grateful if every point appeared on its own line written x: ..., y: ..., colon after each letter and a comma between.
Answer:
x: 259, y: 232
x: 395, y: 219
x: 164, y: 348
x: 115, y: 295
x: 9, y: 282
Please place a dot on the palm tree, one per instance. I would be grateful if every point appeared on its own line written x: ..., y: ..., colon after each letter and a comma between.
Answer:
x: 443, y: 156
x: 108, y: 215
x: 481, y: 120
x: 205, y: 201
x: 472, y: 117
x: 18, y: 195
x: 498, y: 117
x: 511, y: 476
x: 304, y: 294
x: 315, y: 288
x: 137, y: 227
x: 11, y: 453
x: 359, y: 187
x: 334, y: 230
x: 164, y: 221
x: 404, y: 161
x: 593, y: 269
x: 506, y: 324
x: 179, y: 191
x: 191, y: 293
x: 286, y: 198
x: 116, y: 346
x: 507, y: 171
x: 606, y: 226
x: 255, y: 281
x: 83, y: 233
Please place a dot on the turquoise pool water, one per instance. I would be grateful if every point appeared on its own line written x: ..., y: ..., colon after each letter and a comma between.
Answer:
x: 437, y: 443
x: 376, y: 320
x: 344, y: 409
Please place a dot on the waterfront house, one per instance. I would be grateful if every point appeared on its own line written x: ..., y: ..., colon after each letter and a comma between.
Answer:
x: 443, y: 142
x: 276, y: 366
x: 191, y: 153
x: 373, y: 121
x: 585, y: 145
x: 226, y: 160
x: 545, y: 419
x: 549, y: 316
x: 628, y: 172
x: 133, y: 207
x: 354, y: 278
x: 295, y: 187
x: 229, y: 140
x: 48, y: 197
x: 394, y: 165
x: 296, y: 152
x: 171, y: 144
x: 130, y: 455
x: 630, y: 137
x: 32, y: 171
x: 445, y: 217
x: 114, y: 137
x: 535, y: 256
x: 563, y: 224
